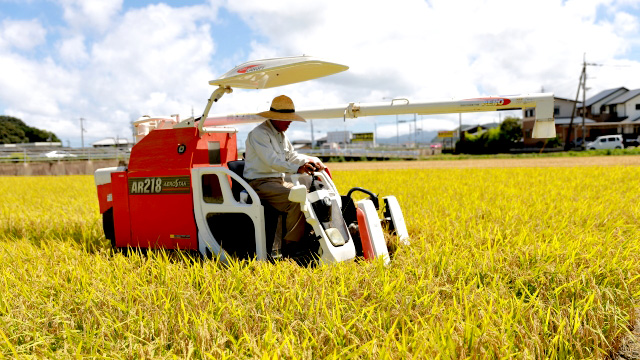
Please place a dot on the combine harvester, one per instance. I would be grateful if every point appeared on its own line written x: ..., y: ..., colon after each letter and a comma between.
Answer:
x: 183, y: 187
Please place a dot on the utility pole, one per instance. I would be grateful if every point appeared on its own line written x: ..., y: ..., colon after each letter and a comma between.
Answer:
x: 397, y: 130
x: 312, y: 139
x: 398, y: 122
x: 82, y: 132
x: 375, y: 132
x: 133, y: 131
x: 584, y: 92
x: 583, y: 84
x: 415, y: 129
x: 583, y: 75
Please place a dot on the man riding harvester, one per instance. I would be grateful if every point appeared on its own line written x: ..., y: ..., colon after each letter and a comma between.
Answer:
x: 184, y: 187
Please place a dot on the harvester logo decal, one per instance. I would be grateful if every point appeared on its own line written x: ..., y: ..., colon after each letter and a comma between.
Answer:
x: 159, y: 185
x: 250, y: 68
x: 491, y: 101
x: 496, y: 102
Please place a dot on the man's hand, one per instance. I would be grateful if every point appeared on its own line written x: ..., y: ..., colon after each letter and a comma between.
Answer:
x: 318, y: 165
x: 309, y: 168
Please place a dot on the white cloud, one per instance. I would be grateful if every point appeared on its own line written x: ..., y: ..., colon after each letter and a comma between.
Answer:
x: 153, y: 60
x: 22, y: 35
x: 114, y: 63
x: 626, y: 23
x: 633, y: 4
x: 91, y: 14
x: 445, y: 49
x: 73, y: 51
x: 36, y: 88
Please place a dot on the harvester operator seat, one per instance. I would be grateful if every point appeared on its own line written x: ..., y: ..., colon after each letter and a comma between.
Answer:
x: 238, y: 168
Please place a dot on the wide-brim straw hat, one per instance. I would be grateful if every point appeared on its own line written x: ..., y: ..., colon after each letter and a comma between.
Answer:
x: 282, y: 109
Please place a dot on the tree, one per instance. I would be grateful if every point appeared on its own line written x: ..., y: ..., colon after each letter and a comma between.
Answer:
x: 14, y: 131
x: 492, y: 141
x: 511, y: 129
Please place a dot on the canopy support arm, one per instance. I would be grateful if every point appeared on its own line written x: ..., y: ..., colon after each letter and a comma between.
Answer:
x: 215, y: 96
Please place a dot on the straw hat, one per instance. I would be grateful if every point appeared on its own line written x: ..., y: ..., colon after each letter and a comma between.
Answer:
x: 282, y: 109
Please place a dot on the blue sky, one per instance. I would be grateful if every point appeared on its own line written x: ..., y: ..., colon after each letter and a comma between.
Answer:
x: 111, y: 61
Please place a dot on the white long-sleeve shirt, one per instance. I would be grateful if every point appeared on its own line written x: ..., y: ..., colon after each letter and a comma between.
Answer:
x: 269, y: 153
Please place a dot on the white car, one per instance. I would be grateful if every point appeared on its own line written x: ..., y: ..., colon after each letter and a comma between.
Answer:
x: 606, y: 142
x: 58, y: 154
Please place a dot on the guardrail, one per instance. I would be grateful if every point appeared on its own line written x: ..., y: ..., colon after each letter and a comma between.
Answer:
x: 18, y: 156
x: 363, y: 153
x: 25, y: 156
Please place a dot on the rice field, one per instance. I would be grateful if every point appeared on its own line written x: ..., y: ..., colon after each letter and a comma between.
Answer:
x: 504, y: 263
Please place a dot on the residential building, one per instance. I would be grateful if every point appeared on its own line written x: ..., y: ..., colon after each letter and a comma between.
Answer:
x: 624, y: 107
x: 611, y: 111
x: 618, y: 113
x: 596, y: 105
x: 339, y: 137
x: 111, y: 142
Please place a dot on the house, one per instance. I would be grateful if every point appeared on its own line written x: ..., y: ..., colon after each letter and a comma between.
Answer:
x: 563, y: 123
x: 623, y: 107
x: 611, y: 111
x: 339, y: 137
x: 111, y: 142
x: 596, y: 105
x: 301, y: 144
x: 617, y: 111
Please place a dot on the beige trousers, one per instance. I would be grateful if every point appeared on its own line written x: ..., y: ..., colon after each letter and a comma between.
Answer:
x: 275, y: 191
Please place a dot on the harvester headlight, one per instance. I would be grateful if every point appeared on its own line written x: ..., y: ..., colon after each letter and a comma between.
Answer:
x: 335, y: 237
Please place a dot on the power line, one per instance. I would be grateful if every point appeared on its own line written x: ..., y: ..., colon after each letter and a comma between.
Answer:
x: 607, y: 65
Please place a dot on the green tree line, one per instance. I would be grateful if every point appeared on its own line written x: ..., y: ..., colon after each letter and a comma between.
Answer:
x: 492, y: 141
x: 14, y: 130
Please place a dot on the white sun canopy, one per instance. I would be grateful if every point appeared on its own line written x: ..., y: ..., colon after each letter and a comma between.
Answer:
x: 268, y: 73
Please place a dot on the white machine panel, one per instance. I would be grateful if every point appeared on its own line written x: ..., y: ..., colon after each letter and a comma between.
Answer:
x: 397, y: 218
x: 376, y: 235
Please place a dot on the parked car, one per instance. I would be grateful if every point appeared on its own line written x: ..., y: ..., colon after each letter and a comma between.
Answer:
x: 606, y: 142
x: 576, y: 143
x: 632, y: 142
x: 58, y: 154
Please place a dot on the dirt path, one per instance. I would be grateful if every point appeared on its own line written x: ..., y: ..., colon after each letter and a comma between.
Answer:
x: 626, y: 160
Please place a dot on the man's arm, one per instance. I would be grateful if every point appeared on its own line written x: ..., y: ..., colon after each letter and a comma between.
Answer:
x: 311, y: 163
x: 264, y: 151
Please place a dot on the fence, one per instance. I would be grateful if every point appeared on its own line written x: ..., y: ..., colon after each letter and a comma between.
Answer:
x: 363, y: 153
x: 30, y: 154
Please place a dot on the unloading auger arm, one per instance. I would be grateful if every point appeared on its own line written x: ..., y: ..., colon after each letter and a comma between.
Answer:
x: 544, y: 126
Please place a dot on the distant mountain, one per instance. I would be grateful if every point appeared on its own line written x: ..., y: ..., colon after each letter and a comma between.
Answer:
x: 14, y: 131
x: 423, y: 138
x: 428, y: 137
